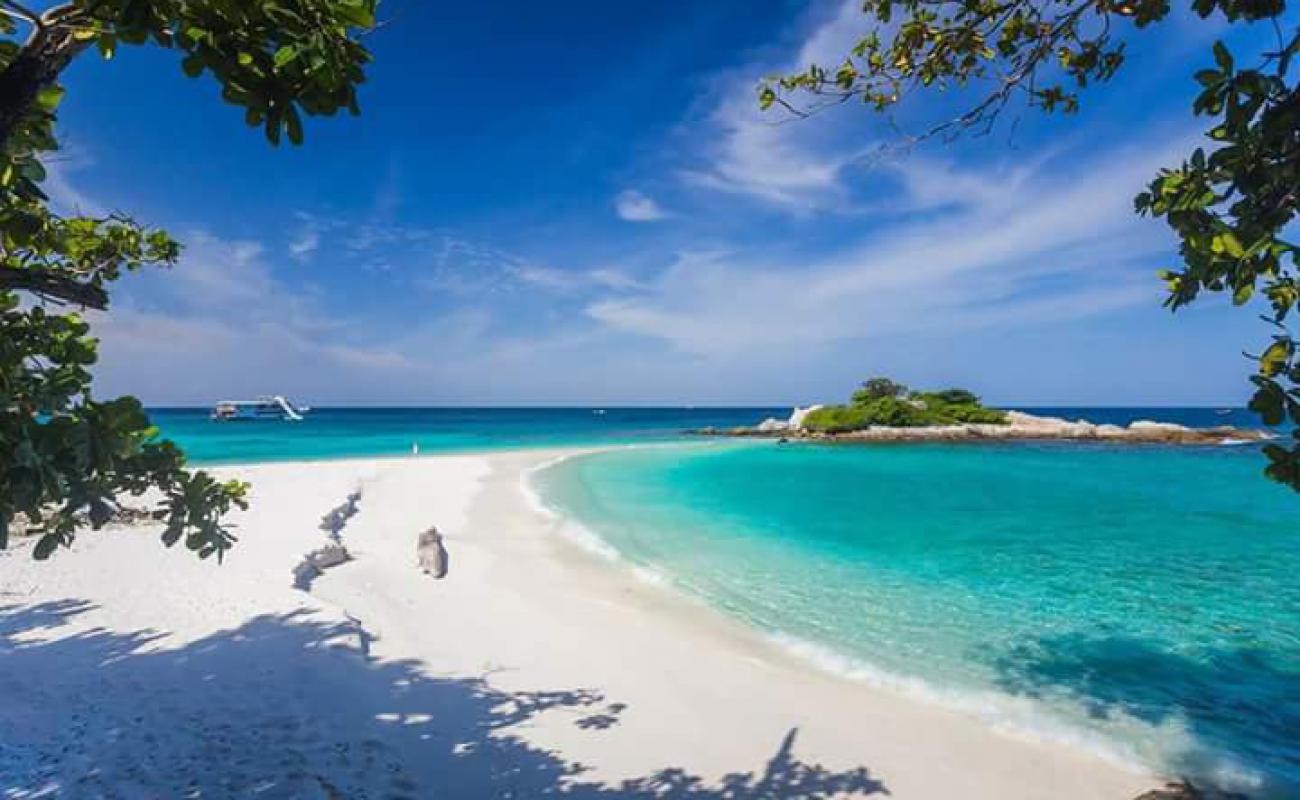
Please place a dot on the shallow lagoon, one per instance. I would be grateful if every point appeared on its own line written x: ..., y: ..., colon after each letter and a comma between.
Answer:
x: 1140, y: 601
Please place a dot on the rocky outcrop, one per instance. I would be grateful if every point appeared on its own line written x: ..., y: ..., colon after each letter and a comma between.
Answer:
x: 1182, y: 790
x: 333, y: 552
x: 1019, y: 426
x: 315, y: 563
x: 799, y: 415
x: 337, y: 517
x: 431, y: 554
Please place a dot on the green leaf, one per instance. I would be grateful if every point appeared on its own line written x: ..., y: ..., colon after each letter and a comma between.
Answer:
x: 1276, y: 357
x: 284, y: 55
x: 1269, y: 402
x: 1228, y: 243
x: 49, y: 97
x: 1223, y: 58
x: 293, y: 125
x: 357, y: 13
x: 273, y: 122
x: 46, y: 546
x: 1285, y: 466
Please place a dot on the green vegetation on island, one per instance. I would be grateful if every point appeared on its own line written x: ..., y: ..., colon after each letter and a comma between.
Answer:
x: 881, y: 401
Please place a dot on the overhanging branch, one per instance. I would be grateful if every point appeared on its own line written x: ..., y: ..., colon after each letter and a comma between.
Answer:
x: 53, y: 286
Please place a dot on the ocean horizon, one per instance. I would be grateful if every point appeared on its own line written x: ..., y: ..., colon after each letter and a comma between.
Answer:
x: 357, y: 431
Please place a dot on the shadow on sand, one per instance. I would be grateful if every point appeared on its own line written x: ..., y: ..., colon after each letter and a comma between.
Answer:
x: 1234, y: 702
x: 144, y: 719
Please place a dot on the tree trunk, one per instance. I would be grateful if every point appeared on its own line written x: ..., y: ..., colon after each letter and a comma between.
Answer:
x: 47, y: 53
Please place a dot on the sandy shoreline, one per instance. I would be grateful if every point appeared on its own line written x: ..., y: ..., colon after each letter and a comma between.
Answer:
x: 535, y: 668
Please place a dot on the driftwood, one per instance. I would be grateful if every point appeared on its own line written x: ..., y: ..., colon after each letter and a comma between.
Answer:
x: 431, y: 553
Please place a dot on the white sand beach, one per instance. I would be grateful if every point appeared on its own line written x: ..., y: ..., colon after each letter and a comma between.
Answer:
x: 536, y: 668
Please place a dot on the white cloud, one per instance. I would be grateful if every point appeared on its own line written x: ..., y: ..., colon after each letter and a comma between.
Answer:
x: 306, y: 243
x: 459, y: 266
x: 613, y: 279
x: 633, y: 206
x: 1042, y: 243
x: 220, y: 322
x: 63, y: 194
x: 753, y: 153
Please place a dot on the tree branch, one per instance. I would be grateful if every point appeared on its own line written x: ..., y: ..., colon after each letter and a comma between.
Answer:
x: 38, y: 64
x: 19, y: 11
x: 54, y: 286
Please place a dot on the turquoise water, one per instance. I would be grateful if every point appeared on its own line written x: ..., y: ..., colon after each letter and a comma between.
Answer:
x: 353, y: 432
x: 1141, y: 601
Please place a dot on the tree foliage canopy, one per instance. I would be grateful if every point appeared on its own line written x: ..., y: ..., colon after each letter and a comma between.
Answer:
x: 1231, y: 203
x: 65, y: 456
x: 881, y: 401
x: 877, y: 388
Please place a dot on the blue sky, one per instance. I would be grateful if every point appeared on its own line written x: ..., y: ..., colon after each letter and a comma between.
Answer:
x: 579, y: 203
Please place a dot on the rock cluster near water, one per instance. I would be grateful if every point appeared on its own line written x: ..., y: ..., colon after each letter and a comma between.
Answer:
x: 1183, y: 790
x: 333, y: 552
x: 1019, y: 426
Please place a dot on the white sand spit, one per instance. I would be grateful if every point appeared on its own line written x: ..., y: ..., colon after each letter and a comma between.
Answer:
x: 533, y: 669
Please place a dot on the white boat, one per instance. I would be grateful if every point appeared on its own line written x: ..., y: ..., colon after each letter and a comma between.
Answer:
x: 273, y: 407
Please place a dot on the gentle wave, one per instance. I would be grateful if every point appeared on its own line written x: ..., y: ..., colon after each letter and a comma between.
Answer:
x: 573, y: 530
x: 1036, y: 720
x: 531, y: 495
x: 1016, y: 716
x: 569, y: 528
x: 1030, y: 719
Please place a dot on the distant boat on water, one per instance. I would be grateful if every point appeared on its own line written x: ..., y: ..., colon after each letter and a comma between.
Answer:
x: 271, y: 407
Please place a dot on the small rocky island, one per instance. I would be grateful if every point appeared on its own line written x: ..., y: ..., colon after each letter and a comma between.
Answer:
x: 885, y: 411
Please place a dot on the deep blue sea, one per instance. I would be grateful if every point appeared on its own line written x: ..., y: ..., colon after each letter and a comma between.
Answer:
x: 1141, y: 601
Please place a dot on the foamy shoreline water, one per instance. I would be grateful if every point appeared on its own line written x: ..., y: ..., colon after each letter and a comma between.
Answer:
x: 1017, y: 717
x: 534, y: 654
x: 932, y: 576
